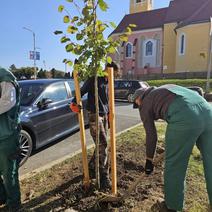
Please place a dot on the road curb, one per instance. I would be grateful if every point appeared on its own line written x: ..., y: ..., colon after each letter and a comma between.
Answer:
x: 55, y: 162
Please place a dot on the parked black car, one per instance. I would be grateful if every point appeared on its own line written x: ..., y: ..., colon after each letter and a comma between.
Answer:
x: 45, y: 113
x: 124, y: 89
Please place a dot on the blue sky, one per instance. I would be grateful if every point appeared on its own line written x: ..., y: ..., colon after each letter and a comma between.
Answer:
x: 42, y: 17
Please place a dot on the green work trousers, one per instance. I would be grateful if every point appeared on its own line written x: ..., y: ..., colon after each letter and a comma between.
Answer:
x: 9, y: 182
x: 189, y: 121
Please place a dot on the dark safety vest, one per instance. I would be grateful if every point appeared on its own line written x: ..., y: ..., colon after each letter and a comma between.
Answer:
x: 9, y: 121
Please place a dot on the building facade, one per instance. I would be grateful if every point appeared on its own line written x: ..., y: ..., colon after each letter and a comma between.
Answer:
x: 168, y: 40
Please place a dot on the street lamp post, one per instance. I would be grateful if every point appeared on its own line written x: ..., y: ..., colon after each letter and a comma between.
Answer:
x: 34, y: 49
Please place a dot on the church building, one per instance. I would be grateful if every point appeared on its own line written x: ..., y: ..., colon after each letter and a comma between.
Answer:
x: 168, y: 40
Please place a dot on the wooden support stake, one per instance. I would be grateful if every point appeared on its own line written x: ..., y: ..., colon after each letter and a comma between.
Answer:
x: 112, y: 130
x: 82, y: 132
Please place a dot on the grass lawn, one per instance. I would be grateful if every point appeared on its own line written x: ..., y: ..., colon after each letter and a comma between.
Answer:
x: 60, y: 187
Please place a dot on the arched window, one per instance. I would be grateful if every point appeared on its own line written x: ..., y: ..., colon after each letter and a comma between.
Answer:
x: 149, y: 48
x: 129, y: 50
x: 182, y: 44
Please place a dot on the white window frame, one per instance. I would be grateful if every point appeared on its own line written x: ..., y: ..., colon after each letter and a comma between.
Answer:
x: 150, y: 41
x: 131, y: 53
x: 153, y: 47
x: 180, y: 44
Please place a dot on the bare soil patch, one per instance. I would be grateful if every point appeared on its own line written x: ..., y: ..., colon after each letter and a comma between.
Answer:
x: 60, y: 188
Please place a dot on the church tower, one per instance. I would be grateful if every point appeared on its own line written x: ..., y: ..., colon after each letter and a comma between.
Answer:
x: 140, y: 6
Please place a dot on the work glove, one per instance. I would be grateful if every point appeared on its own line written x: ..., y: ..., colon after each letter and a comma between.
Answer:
x: 75, y: 107
x: 149, y: 167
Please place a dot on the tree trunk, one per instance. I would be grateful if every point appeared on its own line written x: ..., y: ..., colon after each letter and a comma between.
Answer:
x: 97, y: 132
x: 96, y: 101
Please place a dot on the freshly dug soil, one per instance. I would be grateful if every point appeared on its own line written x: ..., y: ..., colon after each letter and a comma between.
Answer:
x: 61, y: 189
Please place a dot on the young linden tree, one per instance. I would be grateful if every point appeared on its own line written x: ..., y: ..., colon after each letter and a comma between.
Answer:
x: 85, y: 38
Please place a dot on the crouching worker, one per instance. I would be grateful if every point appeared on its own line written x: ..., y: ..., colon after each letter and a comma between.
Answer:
x: 89, y: 88
x: 9, y: 141
x: 189, y: 118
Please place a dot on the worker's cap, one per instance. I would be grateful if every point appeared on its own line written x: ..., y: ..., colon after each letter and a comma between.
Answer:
x: 138, y: 93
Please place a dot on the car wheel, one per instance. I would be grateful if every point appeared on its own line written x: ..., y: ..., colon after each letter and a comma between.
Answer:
x: 25, y: 145
x: 129, y: 97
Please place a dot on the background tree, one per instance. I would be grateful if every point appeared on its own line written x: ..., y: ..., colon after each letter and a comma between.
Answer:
x: 23, y: 72
x: 85, y: 39
x: 12, y: 68
x: 41, y: 74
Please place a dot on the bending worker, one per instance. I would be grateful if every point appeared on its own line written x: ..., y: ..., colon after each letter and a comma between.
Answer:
x: 189, y: 118
x: 9, y: 141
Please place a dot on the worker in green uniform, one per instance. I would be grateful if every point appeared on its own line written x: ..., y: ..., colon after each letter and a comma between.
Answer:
x: 9, y: 141
x: 189, y: 118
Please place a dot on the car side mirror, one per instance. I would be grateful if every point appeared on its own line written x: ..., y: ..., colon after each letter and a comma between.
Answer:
x: 43, y: 103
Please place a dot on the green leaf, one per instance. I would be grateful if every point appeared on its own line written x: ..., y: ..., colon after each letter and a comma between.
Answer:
x: 60, y: 8
x: 79, y: 36
x: 72, y: 29
x: 113, y: 25
x: 66, y: 19
x: 64, y: 61
x: 69, y: 62
x: 79, y: 23
x: 69, y: 0
x: 58, y: 32
x: 132, y: 25
x: 75, y: 18
x: 109, y: 60
x: 111, y: 50
x: 123, y: 37
x: 64, y: 39
x: 69, y: 47
x: 85, y: 11
x: 103, y: 5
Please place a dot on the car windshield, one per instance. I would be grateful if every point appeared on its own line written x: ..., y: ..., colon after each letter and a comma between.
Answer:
x: 29, y: 92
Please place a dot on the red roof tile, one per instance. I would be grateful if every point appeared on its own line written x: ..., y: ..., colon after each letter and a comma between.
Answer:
x: 143, y: 20
x: 202, y: 14
x: 180, y: 10
x: 183, y: 12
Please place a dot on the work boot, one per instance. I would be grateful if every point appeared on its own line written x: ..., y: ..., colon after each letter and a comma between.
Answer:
x: 15, y: 207
x: 3, y: 195
x: 105, y: 183
x: 91, y: 167
x: 92, y: 173
x: 3, y: 201
x: 163, y: 208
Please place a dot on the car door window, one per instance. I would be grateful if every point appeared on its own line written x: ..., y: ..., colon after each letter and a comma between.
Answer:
x: 122, y: 85
x: 56, y: 92
x: 129, y: 84
x: 116, y: 84
x: 72, y: 87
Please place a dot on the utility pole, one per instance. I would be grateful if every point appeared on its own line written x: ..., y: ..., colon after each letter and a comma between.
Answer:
x: 209, y: 60
x: 34, y: 51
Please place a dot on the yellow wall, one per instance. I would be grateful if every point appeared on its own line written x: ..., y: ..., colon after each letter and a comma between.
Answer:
x: 140, y: 7
x: 169, y: 48
x: 197, y: 44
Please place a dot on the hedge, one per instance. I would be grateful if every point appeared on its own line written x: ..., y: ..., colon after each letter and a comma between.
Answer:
x: 183, y: 82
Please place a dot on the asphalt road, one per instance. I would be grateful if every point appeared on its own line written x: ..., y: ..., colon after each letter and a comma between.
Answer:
x: 125, y: 117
